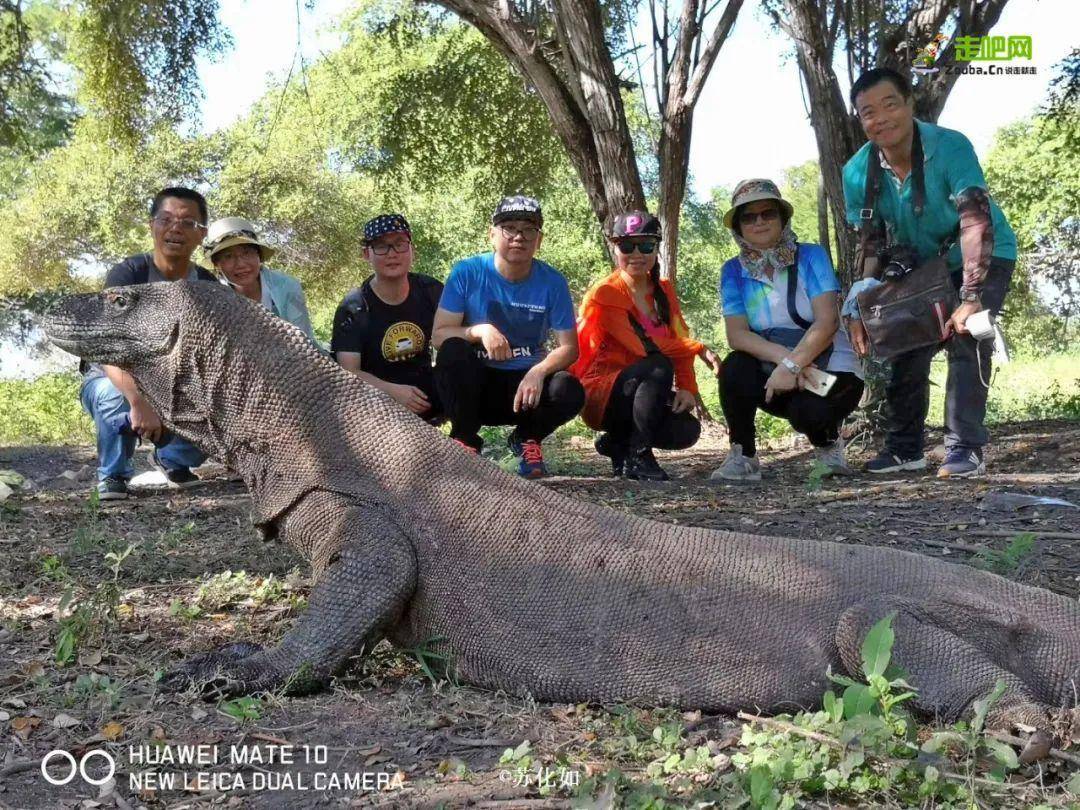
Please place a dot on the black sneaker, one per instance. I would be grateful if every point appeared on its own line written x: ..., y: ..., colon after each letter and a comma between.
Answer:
x: 112, y: 489
x: 886, y: 462
x: 606, y: 446
x: 177, y: 477
x: 642, y: 466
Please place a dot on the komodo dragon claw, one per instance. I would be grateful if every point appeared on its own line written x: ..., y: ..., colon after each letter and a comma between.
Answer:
x: 209, y: 670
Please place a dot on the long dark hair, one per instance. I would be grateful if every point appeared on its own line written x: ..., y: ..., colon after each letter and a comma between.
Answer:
x: 663, y: 305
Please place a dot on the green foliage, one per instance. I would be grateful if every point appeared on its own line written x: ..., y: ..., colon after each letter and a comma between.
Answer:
x: 43, y: 411
x: 243, y: 709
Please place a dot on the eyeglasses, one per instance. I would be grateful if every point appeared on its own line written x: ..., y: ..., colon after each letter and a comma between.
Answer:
x: 645, y: 247
x: 528, y: 234
x: 750, y: 217
x: 165, y: 222
x: 386, y: 247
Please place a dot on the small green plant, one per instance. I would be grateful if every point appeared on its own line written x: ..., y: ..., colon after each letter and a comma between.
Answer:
x: 92, y: 617
x: 816, y: 476
x: 434, y: 664
x: 520, y: 757
x: 183, y: 611
x: 242, y: 709
x: 52, y: 567
x: 1007, y: 561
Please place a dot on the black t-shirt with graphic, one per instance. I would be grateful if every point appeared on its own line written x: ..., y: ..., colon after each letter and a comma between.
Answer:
x: 393, y: 340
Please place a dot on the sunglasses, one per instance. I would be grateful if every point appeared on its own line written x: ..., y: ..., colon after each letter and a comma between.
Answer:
x: 750, y: 217
x: 645, y: 247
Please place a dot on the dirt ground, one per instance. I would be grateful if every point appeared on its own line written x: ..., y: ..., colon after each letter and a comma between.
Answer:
x: 433, y: 743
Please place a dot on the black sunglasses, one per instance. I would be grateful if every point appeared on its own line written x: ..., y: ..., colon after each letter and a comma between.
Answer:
x: 750, y: 217
x: 645, y: 247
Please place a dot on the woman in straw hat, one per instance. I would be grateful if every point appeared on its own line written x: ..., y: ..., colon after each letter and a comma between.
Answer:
x: 780, y: 302
x: 238, y: 255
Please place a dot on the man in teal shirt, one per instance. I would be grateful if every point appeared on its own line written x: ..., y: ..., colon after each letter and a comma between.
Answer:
x: 930, y: 193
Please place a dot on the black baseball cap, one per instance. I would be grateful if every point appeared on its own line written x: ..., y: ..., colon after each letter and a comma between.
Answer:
x: 385, y: 224
x: 636, y: 223
x: 518, y: 207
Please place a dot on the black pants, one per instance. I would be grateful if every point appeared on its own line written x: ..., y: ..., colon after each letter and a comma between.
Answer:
x: 474, y: 394
x: 638, y: 412
x: 742, y: 392
x: 907, y: 393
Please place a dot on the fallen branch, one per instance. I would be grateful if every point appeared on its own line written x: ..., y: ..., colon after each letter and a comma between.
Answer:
x: 19, y: 766
x: 1056, y: 753
x: 480, y: 743
x: 877, y: 489
x: 1048, y: 535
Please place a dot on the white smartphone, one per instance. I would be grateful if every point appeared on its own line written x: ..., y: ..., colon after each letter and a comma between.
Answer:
x: 820, y: 382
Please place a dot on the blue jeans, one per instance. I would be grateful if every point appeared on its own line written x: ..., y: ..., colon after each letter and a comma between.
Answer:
x: 103, y: 401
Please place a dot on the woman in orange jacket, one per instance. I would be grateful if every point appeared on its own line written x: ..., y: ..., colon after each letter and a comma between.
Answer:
x: 636, y: 357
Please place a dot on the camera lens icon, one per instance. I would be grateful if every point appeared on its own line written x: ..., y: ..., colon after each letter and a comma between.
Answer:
x: 79, y: 767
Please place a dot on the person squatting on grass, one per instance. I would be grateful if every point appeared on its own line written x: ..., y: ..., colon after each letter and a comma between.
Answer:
x: 490, y: 329
x: 780, y: 303
x: 239, y: 255
x: 637, y: 359
x: 121, y: 415
x: 931, y: 195
x: 382, y: 329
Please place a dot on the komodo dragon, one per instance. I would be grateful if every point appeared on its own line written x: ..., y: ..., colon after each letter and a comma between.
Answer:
x: 412, y: 539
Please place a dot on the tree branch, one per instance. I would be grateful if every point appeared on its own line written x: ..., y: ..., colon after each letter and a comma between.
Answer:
x: 708, y: 56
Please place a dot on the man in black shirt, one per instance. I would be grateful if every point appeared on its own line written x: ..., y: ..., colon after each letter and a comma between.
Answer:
x: 382, y: 329
x: 108, y: 393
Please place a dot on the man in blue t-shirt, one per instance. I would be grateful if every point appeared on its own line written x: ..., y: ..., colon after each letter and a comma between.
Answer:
x: 491, y: 330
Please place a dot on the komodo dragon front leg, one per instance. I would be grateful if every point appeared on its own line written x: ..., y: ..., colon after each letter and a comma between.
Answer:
x: 366, y: 573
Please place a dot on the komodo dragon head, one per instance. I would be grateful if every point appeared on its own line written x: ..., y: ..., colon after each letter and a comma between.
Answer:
x: 184, y: 342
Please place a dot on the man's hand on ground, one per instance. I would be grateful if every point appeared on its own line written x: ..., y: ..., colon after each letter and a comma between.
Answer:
x: 410, y: 396
x: 495, y: 344
x: 145, y: 421
x: 529, y: 390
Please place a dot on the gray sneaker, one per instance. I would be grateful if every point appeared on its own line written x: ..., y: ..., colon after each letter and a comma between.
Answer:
x: 832, y: 457
x: 112, y: 489
x: 737, y: 467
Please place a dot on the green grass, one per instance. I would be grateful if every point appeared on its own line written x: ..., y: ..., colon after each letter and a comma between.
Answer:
x: 47, y: 410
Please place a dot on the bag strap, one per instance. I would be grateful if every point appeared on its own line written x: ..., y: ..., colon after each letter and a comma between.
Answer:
x: 792, y: 288
x: 874, y: 173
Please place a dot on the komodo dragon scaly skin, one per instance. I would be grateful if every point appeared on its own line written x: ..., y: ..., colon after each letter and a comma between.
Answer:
x: 412, y: 539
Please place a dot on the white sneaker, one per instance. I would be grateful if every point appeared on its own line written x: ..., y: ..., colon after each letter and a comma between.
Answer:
x: 737, y: 467
x: 833, y: 458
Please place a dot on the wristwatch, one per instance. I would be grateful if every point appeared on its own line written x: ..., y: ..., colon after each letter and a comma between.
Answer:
x: 969, y: 296
x: 791, y: 366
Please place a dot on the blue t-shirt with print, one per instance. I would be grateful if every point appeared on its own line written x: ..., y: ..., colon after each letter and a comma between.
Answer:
x: 764, y: 302
x: 523, y: 311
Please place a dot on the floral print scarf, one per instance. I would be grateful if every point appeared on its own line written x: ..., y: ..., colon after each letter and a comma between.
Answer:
x: 757, y: 261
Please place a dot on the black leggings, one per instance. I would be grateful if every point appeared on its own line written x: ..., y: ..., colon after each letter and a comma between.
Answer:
x: 638, y: 412
x: 474, y: 394
x: 742, y: 392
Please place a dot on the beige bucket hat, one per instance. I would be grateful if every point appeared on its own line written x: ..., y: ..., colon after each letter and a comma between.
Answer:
x: 755, y: 190
x: 230, y: 231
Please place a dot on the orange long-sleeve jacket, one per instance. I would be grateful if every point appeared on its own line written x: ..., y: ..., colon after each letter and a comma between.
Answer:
x: 608, y: 343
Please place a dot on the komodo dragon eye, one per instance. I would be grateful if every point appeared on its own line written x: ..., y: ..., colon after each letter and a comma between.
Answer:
x: 119, y: 301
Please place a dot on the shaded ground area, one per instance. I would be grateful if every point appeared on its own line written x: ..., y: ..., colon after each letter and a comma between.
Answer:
x: 121, y: 592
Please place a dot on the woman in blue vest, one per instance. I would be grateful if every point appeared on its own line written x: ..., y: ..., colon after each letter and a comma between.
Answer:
x: 781, y: 317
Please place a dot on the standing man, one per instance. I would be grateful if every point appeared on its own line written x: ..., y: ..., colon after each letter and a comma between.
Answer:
x: 177, y: 223
x: 382, y: 329
x: 491, y: 329
x: 921, y: 185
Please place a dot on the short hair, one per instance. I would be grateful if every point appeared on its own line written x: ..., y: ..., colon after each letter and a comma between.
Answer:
x: 876, y: 76
x: 180, y: 193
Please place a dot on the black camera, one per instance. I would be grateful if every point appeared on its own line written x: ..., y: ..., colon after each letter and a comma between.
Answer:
x: 897, y: 261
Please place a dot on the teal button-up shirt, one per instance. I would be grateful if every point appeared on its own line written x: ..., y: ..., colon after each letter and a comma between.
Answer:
x: 949, y: 166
